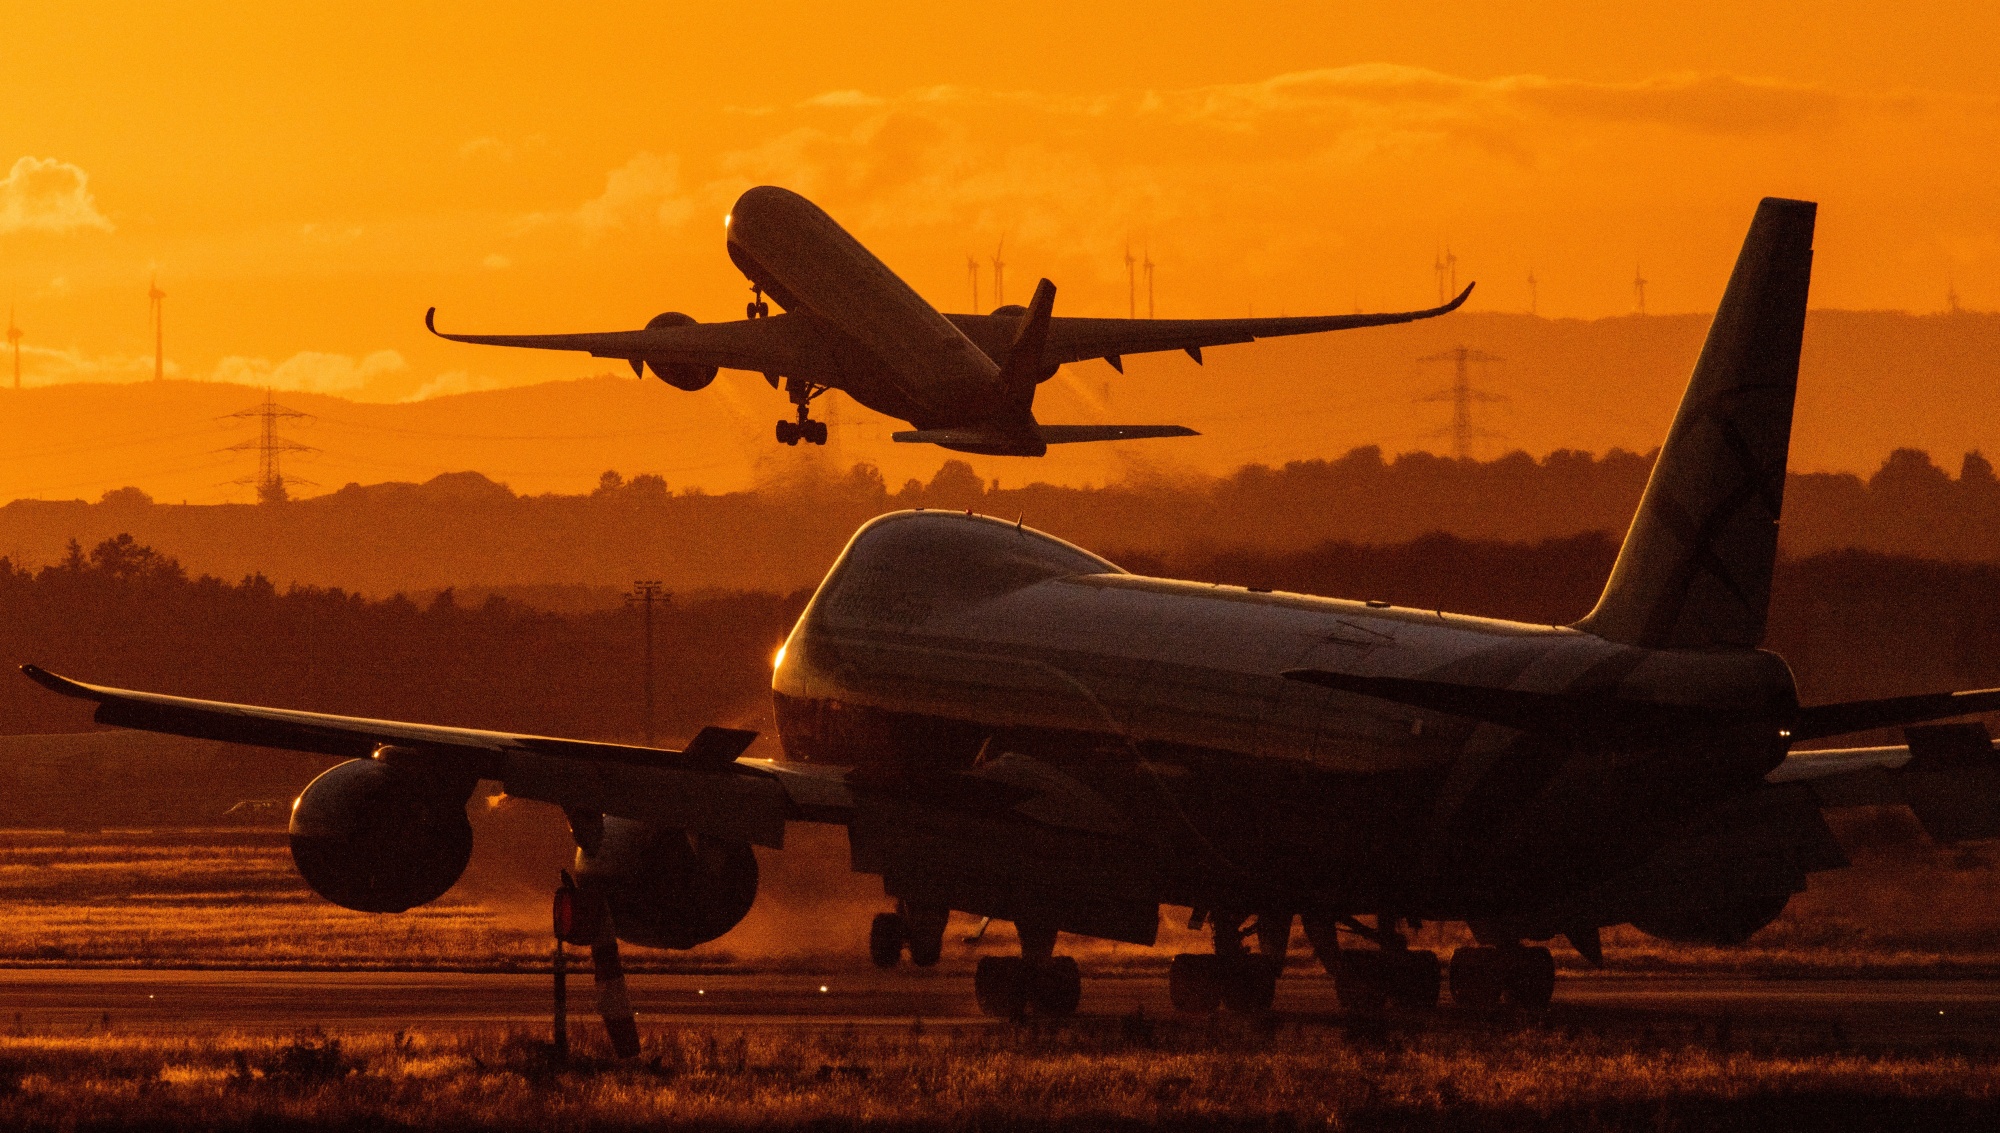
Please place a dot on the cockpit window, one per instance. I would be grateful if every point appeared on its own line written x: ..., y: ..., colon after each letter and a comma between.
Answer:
x: 905, y: 570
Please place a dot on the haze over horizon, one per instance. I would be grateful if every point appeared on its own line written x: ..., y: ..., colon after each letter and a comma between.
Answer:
x: 305, y: 184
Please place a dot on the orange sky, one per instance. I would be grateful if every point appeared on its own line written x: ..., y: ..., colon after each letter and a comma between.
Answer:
x: 305, y: 185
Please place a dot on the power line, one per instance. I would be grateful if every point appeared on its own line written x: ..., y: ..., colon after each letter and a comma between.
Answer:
x: 1462, y: 395
x: 270, y: 448
x: 646, y: 592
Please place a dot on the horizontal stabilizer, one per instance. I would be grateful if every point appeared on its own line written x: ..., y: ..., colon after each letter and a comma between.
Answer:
x: 1947, y: 774
x: 1571, y: 711
x: 1050, y: 434
x: 1861, y: 715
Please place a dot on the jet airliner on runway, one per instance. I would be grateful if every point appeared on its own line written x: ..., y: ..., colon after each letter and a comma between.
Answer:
x: 1012, y: 727
x: 967, y: 382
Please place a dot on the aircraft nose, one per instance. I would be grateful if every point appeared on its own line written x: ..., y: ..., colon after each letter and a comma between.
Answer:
x: 763, y: 204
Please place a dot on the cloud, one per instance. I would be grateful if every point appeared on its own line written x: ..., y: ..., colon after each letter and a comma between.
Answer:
x: 453, y: 382
x: 47, y: 195
x: 331, y: 234
x: 648, y: 187
x: 844, y: 99
x: 486, y: 147
x: 494, y: 261
x: 42, y: 365
x: 310, y: 371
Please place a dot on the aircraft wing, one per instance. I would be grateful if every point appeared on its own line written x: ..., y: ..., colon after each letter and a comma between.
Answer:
x: 703, y: 787
x: 780, y: 344
x: 1073, y: 340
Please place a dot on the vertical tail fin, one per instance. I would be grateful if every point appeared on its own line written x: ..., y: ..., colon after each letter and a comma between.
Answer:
x: 1695, y: 569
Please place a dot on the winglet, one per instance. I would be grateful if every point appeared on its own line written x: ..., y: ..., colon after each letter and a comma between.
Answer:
x: 54, y: 683
x: 717, y: 747
x: 430, y: 321
x: 1455, y: 304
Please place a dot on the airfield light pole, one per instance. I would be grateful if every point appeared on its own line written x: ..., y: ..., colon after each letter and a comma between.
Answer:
x: 644, y: 594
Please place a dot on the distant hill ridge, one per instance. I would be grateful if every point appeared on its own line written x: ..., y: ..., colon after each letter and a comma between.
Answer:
x: 1871, y: 382
x: 465, y: 530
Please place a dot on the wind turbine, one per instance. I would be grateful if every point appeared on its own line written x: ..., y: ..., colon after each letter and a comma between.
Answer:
x: 972, y: 273
x: 1131, y: 284
x: 1149, y: 283
x: 159, y: 312
x: 14, y: 340
x: 999, y: 275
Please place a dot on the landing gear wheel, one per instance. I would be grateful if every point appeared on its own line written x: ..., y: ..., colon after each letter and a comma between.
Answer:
x: 749, y: 310
x: 1000, y: 984
x: 1250, y: 984
x: 815, y: 431
x: 1055, y: 987
x: 1360, y: 980
x: 885, y: 940
x: 1194, y: 983
x: 788, y: 433
x: 1476, y: 978
x: 1529, y: 977
x: 1414, y: 979
x: 924, y: 929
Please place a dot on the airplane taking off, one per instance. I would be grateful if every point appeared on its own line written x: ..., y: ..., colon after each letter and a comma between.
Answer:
x: 1013, y: 727
x: 966, y: 382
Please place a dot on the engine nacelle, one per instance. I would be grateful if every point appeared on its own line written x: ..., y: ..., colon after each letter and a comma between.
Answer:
x: 680, y: 375
x: 375, y: 837
x: 667, y: 889
x: 1723, y: 919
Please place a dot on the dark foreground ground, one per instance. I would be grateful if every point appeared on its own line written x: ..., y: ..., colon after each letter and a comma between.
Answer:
x: 1893, y: 1014
x: 307, y: 1050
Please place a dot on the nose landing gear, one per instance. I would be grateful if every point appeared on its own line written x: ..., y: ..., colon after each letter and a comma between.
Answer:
x: 805, y: 429
x: 756, y: 308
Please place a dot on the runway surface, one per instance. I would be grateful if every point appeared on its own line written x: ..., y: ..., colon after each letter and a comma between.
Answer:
x: 1890, y: 1013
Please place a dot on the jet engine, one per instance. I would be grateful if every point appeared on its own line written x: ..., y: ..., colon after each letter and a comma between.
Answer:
x: 1722, y: 919
x: 668, y: 889
x: 377, y: 837
x: 680, y: 375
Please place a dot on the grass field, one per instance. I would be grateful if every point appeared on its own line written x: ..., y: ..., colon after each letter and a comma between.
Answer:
x: 1102, y: 1074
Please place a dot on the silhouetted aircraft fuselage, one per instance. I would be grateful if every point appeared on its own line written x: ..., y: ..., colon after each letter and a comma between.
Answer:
x: 891, y: 351
x: 967, y: 382
x: 1099, y: 743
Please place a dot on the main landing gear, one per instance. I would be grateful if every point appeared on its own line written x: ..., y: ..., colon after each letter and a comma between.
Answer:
x: 1037, y: 980
x: 917, y: 928
x: 1484, y: 977
x: 805, y: 429
x: 1244, y: 982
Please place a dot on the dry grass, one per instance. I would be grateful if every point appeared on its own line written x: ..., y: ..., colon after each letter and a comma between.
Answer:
x: 223, y: 898
x: 1127, y: 1073
x: 216, y: 898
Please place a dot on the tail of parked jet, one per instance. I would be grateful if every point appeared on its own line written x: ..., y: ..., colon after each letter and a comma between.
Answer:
x: 1695, y: 570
